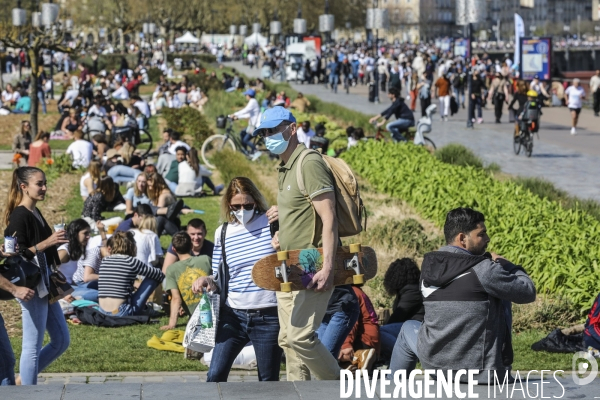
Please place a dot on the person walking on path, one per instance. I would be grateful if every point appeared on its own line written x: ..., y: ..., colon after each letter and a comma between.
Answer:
x: 498, y: 94
x: 574, y: 96
x: 442, y: 93
x: 301, y: 312
x: 595, y: 91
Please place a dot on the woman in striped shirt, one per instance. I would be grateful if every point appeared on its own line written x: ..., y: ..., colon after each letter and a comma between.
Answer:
x: 117, y: 275
x: 249, y: 311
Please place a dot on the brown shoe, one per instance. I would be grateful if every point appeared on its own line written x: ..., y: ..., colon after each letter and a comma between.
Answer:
x: 366, y: 359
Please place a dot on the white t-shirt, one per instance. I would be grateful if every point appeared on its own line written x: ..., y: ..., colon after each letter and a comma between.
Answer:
x: 244, y: 246
x: 304, y: 137
x: 68, y: 268
x: 143, y: 107
x: 81, y: 151
x: 575, y: 96
x: 148, y: 246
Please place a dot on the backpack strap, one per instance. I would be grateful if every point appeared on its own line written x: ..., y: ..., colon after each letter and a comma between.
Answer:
x: 299, y: 176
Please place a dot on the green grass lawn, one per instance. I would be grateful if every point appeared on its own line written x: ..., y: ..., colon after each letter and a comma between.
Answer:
x: 122, y: 349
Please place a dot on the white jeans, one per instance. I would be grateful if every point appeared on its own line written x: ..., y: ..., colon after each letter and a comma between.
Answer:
x: 444, y: 106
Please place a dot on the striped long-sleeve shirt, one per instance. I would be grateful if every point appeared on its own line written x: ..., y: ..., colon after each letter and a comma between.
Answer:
x: 244, y: 246
x: 118, y: 272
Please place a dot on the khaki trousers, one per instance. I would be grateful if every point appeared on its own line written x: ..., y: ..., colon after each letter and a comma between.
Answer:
x: 300, y: 314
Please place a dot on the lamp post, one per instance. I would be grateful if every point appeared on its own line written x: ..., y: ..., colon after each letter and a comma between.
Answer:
x: 275, y: 26
x: 469, y: 12
x: 326, y: 22
x: 299, y: 22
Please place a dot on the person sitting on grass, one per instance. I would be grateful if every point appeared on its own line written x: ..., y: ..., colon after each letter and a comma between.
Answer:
x: 402, y: 281
x: 139, y: 212
x: 591, y: 334
x: 467, y: 296
x: 104, y: 198
x: 147, y: 242
x: 117, y: 276
x: 172, y: 175
x: 192, y: 176
x: 361, y: 346
x: 196, y: 229
x: 181, y: 275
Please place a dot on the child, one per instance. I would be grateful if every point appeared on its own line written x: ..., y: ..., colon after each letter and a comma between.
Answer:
x: 531, y: 113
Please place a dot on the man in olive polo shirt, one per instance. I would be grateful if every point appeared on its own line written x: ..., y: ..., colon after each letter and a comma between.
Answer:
x: 303, y: 226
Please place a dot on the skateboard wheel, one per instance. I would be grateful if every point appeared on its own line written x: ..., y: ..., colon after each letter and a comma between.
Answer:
x: 286, y: 286
x: 358, y: 279
x: 282, y: 255
x: 355, y: 248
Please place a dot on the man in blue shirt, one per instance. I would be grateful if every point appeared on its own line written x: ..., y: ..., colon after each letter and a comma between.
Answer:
x: 334, y: 74
x: 23, y: 104
x: 404, y: 116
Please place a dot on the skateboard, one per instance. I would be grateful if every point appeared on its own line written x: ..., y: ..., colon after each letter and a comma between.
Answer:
x: 293, y: 270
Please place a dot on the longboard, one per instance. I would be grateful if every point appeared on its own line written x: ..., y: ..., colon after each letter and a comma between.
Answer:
x: 303, y: 264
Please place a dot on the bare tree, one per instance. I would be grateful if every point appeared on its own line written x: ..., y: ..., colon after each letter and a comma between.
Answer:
x: 34, y: 41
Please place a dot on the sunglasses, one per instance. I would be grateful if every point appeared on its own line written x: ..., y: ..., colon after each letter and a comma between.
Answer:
x: 238, y: 207
x: 272, y: 131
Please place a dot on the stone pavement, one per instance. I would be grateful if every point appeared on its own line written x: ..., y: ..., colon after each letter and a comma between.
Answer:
x: 567, y: 161
x: 308, y: 390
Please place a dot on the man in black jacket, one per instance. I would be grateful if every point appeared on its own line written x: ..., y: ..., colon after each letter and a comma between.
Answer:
x: 404, y: 116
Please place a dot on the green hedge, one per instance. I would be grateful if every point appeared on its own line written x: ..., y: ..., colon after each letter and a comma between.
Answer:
x: 196, y: 58
x: 559, y: 248
x: 108, y: 61
x: 188, y: 121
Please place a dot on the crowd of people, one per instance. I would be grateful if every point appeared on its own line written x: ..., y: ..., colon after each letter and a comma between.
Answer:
x: 320, y: 330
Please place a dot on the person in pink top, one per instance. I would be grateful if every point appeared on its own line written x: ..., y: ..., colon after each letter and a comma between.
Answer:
x: 39, y: 149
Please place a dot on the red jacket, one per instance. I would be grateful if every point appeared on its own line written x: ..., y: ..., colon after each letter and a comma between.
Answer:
x: 366, y: 330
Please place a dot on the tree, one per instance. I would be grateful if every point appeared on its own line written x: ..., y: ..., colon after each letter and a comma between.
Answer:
x: 34, y: 41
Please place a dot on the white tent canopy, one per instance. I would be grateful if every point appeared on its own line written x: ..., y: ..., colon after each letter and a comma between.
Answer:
x: 256, y: 38
x: 187, y: 38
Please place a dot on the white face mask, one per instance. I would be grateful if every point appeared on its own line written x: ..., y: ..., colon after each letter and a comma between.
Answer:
x: 243, y: 216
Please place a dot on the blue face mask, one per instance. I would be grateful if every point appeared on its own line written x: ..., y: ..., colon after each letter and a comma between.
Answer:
x: 276, y: 144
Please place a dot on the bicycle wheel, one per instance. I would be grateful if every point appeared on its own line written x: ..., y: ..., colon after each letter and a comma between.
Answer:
x: 517, y: 144
x: 213, y: 145
x: 529, y: 145
x: 145, y: 144
x: 429, y: 145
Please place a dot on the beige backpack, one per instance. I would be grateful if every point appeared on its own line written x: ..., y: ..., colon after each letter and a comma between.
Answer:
x: 348, y: 204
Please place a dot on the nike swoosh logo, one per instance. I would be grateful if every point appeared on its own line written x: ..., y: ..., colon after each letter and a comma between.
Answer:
x: 428, y: 291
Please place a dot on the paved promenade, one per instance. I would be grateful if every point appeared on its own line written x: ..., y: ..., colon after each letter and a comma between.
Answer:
x: 570, y: 162
x: 162, y: 386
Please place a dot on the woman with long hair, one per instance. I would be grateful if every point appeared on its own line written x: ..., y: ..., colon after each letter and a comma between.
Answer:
x: 39, y: 149
x: 118, y: 272
x: 137, y: 194
x: 147, y: 242
x: 247, y: 312
x: 82, y: 264
x: 89, y: 181
x: 193, y: 176
x: 37, y: 243
x: 102, y: 199
x: 402, y: 281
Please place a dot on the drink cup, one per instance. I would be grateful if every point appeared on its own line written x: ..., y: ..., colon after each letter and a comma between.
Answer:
x: 9, y: 244
x: 59, y: 227
x: 112, y: 229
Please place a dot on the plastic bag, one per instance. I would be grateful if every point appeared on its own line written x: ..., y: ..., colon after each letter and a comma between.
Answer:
x: 196, y: 337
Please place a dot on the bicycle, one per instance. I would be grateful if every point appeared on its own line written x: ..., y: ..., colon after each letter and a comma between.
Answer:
x: 525, y: 137
x: 219, y: 142
x: 138, y: 137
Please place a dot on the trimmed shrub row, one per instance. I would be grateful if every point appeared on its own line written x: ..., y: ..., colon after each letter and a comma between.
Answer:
x: 559, y: 248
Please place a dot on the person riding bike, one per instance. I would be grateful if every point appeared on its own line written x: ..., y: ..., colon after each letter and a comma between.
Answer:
x: 531, y: 113
x: 252, y: 113
x: 404, y: 116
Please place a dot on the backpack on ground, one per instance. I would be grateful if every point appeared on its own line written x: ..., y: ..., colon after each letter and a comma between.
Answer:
x: 348, y: 204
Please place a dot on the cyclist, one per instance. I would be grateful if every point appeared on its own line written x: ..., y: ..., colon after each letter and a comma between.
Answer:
x: 531, y: 113
x: 252, y: 113
x: 404, y: 116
